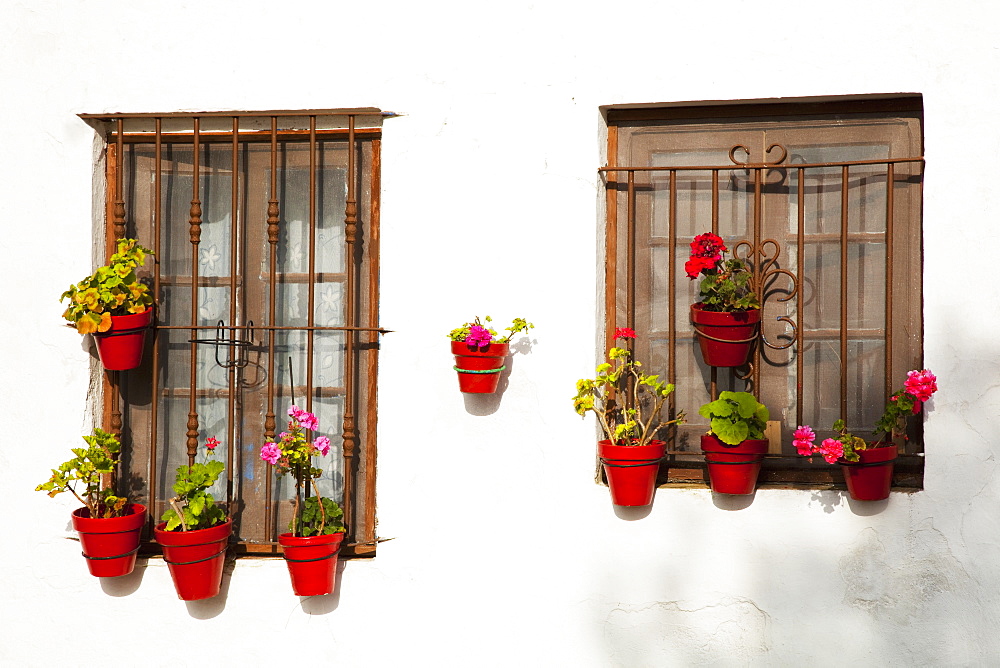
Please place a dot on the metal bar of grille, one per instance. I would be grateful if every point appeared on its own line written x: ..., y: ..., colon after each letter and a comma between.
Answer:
x: 630, y: 245
x: 194, y: 222
x: 844, y: 202
x: 114, y: 378
x: 672, y: 286
x: 350, y: 435
x: 758, y: 278
x: 272, y: 240
x: 890, y: 178
x: 800, y: 250
x: 311, y: 284
x: 713, y: 380
x: 154, y: 417
x: 234, y: 369
x: 764, y: 165
x: 311, y: 319
x: 119, y: 216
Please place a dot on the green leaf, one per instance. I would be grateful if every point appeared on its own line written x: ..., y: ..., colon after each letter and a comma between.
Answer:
x: 729, y: 432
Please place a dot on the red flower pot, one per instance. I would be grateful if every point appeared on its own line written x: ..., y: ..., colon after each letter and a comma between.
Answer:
x: 479, y: 367
x: 726, y: 339
x: 631, y: 471
x: 120, y: 348
x: 870, y: 478
x: 733, y: 469
x: 312, y: 562
x: 195, y: 558
x: 109, y: 544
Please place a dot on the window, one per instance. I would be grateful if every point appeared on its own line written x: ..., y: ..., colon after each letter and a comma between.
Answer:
x: 265, y: 231
x: 823, y: 197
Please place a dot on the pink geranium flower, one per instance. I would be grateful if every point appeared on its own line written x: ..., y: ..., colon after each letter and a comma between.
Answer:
x: 322, y: 444
x: 832, y: 450
x: 270, y: 453
x: 478, y: 336
x: 803, y: 439
x: 305, y: 419
x: 211, y: 442
x: 921, y: 384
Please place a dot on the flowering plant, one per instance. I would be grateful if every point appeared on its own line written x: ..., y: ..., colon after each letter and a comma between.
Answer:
x: 736, y: 417
x: 477, y: 335
x: 99, y: 459
x: 194, y: 508
x: 111, y: 290
x: 293, y: 453
x: 636, y: 420
x: 906, y: 401
x: 726, y: 285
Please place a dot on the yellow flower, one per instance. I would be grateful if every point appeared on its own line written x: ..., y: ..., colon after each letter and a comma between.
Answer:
x: 123, y: 270
x: 137, y: 290
x: 105, y: 322
x: 86, y: 325
x: 88, y: 297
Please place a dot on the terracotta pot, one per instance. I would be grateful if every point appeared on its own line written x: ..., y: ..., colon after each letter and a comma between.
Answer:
x: 733, y: 469
x: 631, y: 471
x: 870, y: 478
x: 312, y: 562
x: 479, y: 367
x: 195, y: 558
x: 736, y: 334
x: 120, y: 348
x: 109, y: 544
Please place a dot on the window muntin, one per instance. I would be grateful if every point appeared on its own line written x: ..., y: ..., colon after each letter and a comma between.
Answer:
x: 795, y: 157
x: 289, y: 270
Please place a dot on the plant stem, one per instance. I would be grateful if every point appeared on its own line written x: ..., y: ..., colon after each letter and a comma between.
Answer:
x: 180, y: 515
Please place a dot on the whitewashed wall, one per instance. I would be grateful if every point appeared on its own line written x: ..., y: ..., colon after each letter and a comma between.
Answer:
x: 504, y: 551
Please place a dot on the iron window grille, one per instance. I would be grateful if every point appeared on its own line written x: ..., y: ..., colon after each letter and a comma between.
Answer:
x: 799, y: 189
x: 265, y: 232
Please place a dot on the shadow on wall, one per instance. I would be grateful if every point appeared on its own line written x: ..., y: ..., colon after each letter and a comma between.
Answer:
x: 487, y: 404
x: 210, y: 608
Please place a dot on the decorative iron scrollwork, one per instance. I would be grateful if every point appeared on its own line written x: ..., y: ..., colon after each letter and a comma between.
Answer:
x: 766, y: 273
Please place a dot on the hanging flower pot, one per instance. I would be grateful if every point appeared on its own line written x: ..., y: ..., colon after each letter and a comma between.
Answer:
x: 733, y: 469
x: 479, y: 367
x: 195, y: 558
x: 312, y: 562
x: 870, y: 478
x: 110, y: 543
x: 120, y: 348
x: 631, y: 471
x: 726, y: 338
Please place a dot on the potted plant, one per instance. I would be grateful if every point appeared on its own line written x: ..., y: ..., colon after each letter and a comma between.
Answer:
x: 317, y: 528
x: 868, y: 465
x: 728, y: 316
x: 480, y: 353
x: 195, y: 532
x: 627, y: 403
x: 107, y: 523
x: 114, y: 306
x: 735, y: 445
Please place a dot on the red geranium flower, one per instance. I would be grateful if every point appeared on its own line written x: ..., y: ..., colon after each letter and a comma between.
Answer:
x: 697, y: 265
x: 708, y: 245
x: 624, y: 333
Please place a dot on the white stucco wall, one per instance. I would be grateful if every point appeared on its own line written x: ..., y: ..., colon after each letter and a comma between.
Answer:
x: 504, y: 551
